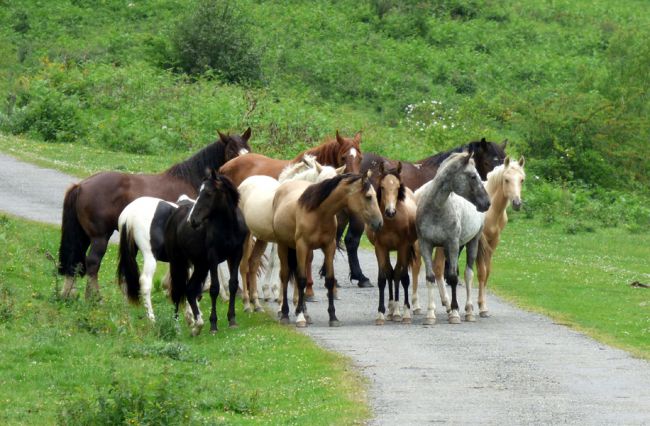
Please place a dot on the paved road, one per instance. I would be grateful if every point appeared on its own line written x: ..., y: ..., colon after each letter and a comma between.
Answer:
x: 512, y: 368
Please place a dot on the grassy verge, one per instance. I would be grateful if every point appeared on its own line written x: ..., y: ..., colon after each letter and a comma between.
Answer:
x: 80, y: 363
x: 582, y: 280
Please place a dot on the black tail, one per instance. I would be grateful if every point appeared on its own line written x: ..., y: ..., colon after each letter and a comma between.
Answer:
x: 127, y: 267
x: 178, y: 273
x: 74, y: 241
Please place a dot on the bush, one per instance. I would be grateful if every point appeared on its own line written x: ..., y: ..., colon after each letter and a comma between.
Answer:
x: 214, y: 37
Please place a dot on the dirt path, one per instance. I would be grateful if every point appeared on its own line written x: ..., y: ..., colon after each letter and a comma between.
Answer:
x: 513, y: 368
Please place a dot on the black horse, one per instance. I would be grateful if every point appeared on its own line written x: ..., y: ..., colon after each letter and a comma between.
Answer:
x: 203, y: 235
x: 487, y: 155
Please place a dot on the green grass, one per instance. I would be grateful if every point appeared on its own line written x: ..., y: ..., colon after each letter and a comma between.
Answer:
x: 67, y: 357
x: 580, y: 280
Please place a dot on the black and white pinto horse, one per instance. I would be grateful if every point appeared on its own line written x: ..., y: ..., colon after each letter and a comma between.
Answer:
x: 211, y: 231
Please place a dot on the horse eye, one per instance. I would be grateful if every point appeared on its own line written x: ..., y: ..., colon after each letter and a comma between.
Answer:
x: 507, y: 180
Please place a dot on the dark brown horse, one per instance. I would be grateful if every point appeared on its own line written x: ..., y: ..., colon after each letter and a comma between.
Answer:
x: 336, y: 152
x: 91, y: 207
x: 487, y: 155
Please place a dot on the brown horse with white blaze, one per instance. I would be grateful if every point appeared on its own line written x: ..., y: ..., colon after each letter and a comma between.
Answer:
x: 304, y: 219
x: 91, y: 208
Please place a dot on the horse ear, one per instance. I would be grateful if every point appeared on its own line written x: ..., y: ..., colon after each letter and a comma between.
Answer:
x: 483, y: 143
x: 468, y: 157
x: 357, y: 137
x: 522, y: 161
x: 222, y: 136
x: 340, y: 170
x: 399, y: 168
x: 339, y: 139
x: 246, y: 135
x: 319, y: 167
x: 506, y: 162
x: 504, y: 144
x: 381, y: 168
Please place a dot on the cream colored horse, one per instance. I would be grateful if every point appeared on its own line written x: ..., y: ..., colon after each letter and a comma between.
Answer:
x: 256, y: 203
x: 304, y: 219
x: 503, y: 185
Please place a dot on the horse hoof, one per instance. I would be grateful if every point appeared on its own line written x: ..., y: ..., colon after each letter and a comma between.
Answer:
x: 406, y: 320
x: 284, y: 321
x: 259, y: 309
x: 309, y: 320
x: 335, y: 323
x: 213, y: 332
x: 379, y: 322
x: 389, y: 317
x: 454, y: 319
x: 417, y: 311
x: 470, y: 318
x: 365, y: 283
x: 301, y: 324
x: 233, y: 324
x: 310, y: 298
x: 484, y: 314
x: 429, y: 321
x: 396, y: 318
x: 248, y: 309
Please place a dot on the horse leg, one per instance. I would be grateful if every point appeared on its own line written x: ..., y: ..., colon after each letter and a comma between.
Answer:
x: 255, y: 261
x: 401, y: 274
x: 439, y: 265
x: 483, y: 268
x: 69, y: 290
x: 244, y: 270
x: 416, y: 264
x: 330, y: 282
x: 192, y: 293
x: 284, y: 281
x: 270, y: 286
x: 426, y: 250
x: 215, y: 285
x: 395, y: 310
x: 146, y: 283
x: 380, y: 254
x: 309, y: 291
x: 352, y: 240
x: 98, y: 247
x: 471, y: 249
x: 233, y: 284
x: 302, y: 255
x: 451, y: 252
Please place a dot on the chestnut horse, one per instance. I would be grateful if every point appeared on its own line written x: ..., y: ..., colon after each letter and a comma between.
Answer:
x: 91, y: 208
x: 503, y: 186
x: 336, y: 152
x: 398, y: 207
x: 304, y: 219
x: 487, y: 155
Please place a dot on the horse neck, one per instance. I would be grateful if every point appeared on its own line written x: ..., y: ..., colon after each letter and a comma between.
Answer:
x: 335, y: 202
x: 326, y: 153
x: 193, y: 169
x: 498, y: 200
x: 436, y: 195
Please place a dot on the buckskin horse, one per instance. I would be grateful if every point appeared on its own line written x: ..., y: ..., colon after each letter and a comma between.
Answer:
x: 91, y: 207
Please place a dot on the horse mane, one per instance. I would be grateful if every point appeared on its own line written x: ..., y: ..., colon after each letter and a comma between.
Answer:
x: 327, y: 152
x: 401, y: 192
x: 231, y: 191
x: 438, y: 159
x: 193, y: 169
x: 293, y: 169
x: 315, y: 194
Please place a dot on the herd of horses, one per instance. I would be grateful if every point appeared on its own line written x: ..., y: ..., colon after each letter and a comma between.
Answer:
x: 226, y: 204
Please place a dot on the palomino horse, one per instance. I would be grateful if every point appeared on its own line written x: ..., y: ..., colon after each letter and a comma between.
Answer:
x: 304, y: 219
x: 398, y: 208
x: 202, y: 236
x: 91, y: 207
x: 503, y: 186
x: 447, y: 217
x: 487, y: 155
x: 256, y: 203
x: 336, y: 152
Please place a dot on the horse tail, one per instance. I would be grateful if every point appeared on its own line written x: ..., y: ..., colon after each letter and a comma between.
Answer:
x: 484, y: 249
x: 74, y: 240
x: 178, y: 271
x: 292, y: 260
x: 127, y: 267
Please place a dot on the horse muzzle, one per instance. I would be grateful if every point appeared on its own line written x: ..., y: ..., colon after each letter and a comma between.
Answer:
x: 483, y: 207
x: 376, y: 225
x: 390, y: 213
x: 516, y: 204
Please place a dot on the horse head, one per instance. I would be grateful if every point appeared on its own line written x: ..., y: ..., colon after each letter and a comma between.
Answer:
x: 363, y: 200
x: 487, y: 155
x: 217, y: 194
x: 390, y: 189
x: 512, y: 180
x: 349, y: 152
x: 466, y: 182
x: 235, y: 145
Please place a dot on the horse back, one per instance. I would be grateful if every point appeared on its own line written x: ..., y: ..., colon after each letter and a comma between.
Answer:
x: 239, y: 168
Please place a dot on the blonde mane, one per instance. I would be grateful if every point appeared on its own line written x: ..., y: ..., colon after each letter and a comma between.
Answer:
x: 495, y: 177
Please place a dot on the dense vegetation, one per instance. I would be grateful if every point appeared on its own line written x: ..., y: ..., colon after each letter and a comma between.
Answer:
x: 565, y: 81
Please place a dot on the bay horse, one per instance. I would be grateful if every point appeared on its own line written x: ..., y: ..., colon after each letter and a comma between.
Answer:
x: 503, y: 185
x: 398, y: 207
x: 202, y: 235
x: 91, y: 207
x: 450, y: 213
x: 336, y: 152
x: 256, y: 204
x: 487, y: 155
x: 304, y: 219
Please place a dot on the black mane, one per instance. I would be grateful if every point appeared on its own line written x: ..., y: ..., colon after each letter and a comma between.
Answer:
x: 315, y: 194
x: 193, y: 169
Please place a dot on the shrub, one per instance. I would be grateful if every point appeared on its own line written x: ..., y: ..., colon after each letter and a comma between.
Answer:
x: 214, y: 37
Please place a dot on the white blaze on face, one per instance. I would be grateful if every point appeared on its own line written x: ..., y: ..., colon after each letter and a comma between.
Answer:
x: 243, y: 151
x: 197, y: 200
x: 353, y: 152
